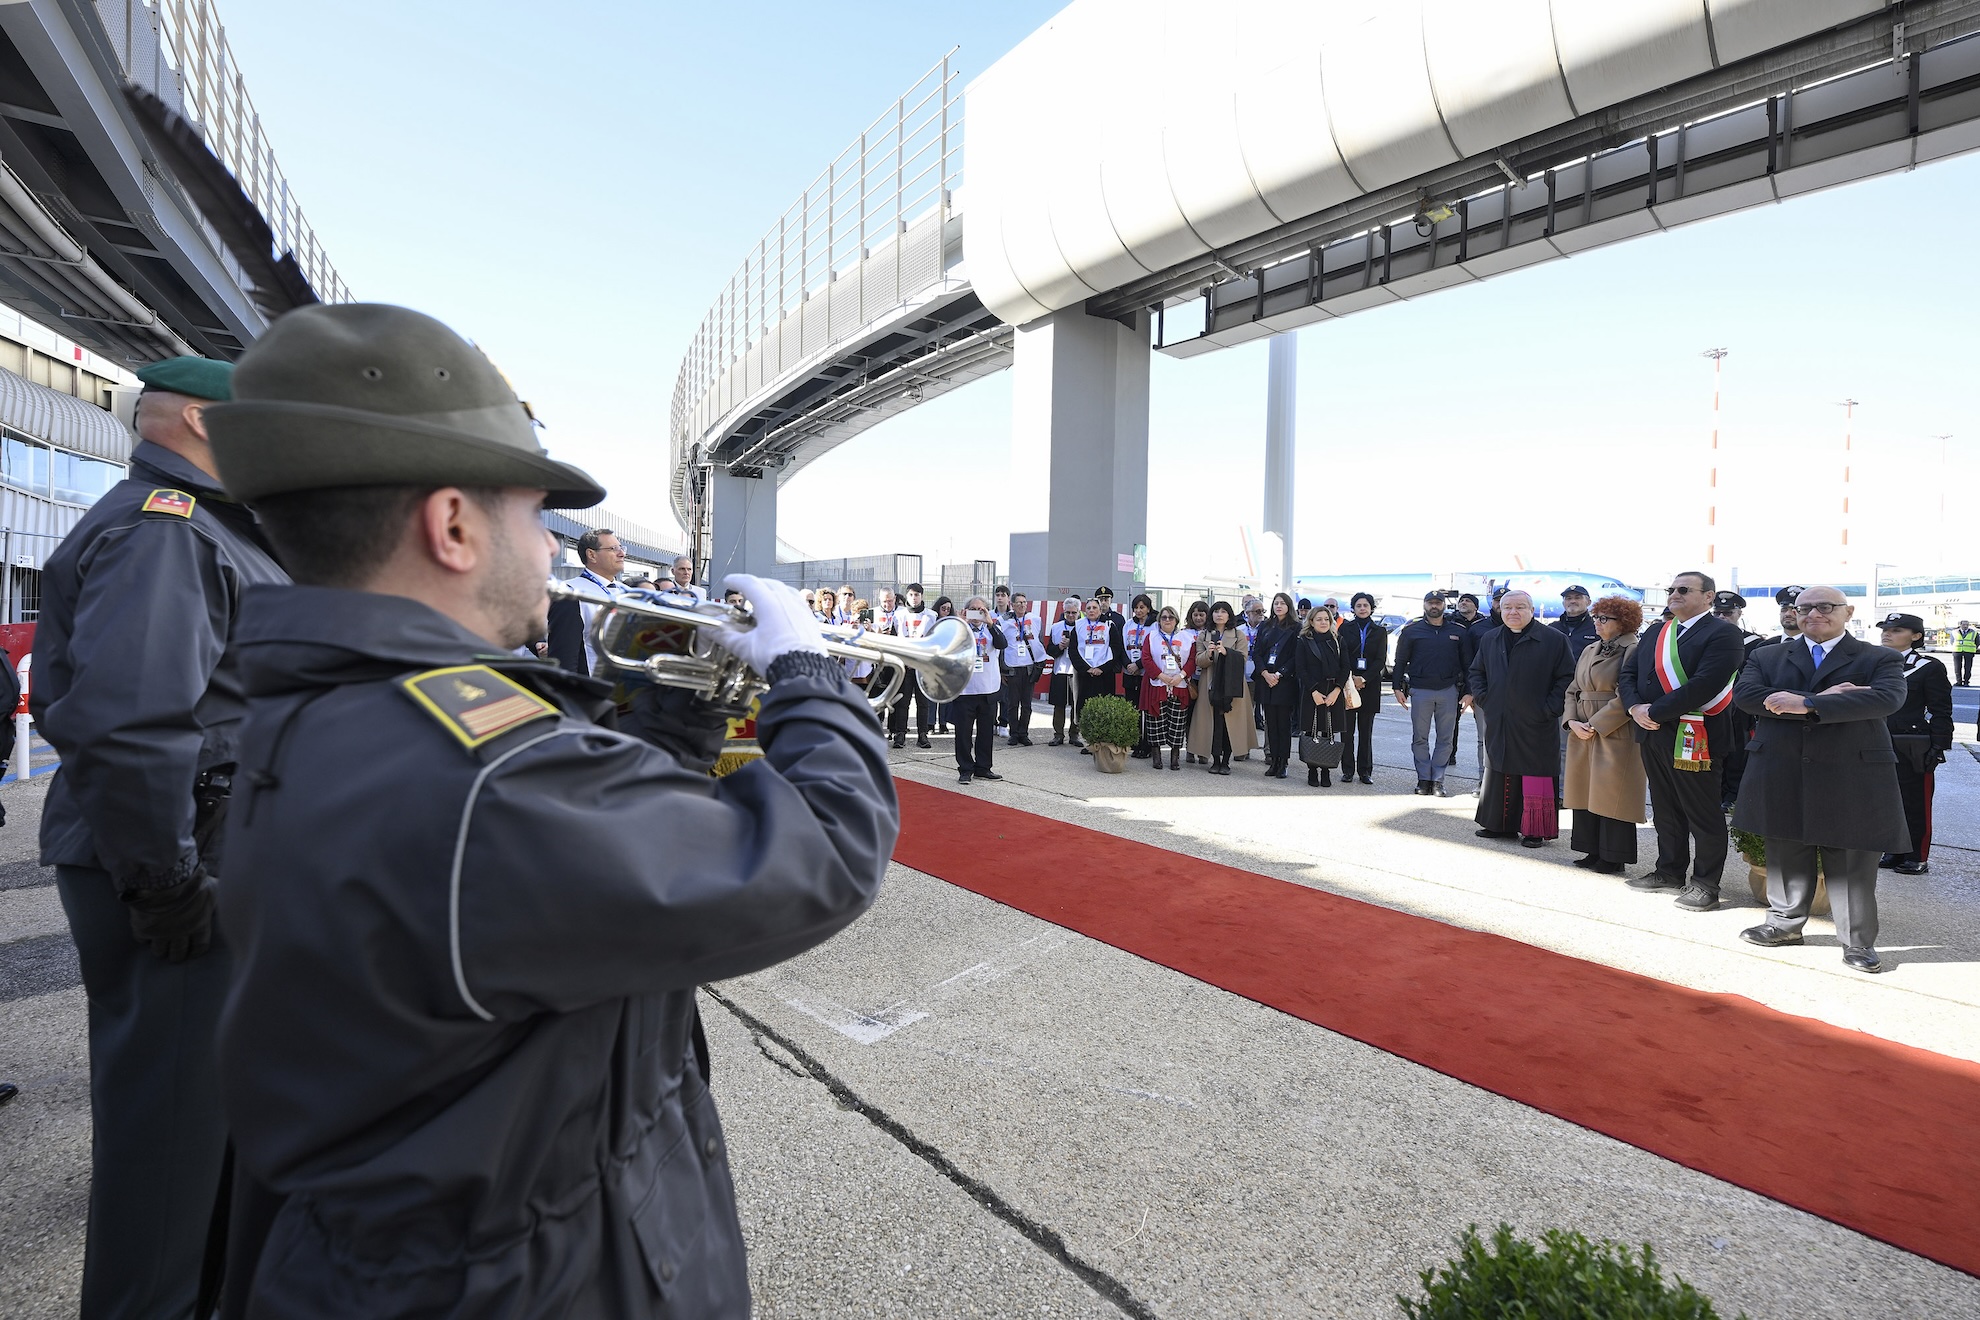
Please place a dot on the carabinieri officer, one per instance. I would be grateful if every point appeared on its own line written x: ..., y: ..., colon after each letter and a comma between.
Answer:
x: 1921, y: 735
x: 461, y: 1047
x: 136, y: 689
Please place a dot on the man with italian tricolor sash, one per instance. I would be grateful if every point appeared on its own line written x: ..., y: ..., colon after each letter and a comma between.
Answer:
x: 1678, y: 688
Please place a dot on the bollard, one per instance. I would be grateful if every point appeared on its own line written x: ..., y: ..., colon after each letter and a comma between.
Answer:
x: 23, y: 765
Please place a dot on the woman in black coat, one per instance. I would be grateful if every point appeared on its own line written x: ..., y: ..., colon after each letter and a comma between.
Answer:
x: 1520, y: 675
x: 1320, y: 670
x: 1278, y: 695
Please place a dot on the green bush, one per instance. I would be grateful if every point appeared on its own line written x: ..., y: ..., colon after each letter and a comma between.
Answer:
x: 1567, y: 1277
x: 1111, y: 720
x: 1750, y: 846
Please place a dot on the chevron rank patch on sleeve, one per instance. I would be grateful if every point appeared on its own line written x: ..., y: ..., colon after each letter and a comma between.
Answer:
x: 474, y: 703
x: 169, y: 501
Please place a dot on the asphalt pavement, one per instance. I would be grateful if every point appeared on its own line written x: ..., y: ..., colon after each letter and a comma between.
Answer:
x: 956, y: 1109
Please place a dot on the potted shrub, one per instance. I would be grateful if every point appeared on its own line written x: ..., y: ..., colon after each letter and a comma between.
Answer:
x: 1111, y: 727
x: 1754, y: 849
x: 1565, y: 1277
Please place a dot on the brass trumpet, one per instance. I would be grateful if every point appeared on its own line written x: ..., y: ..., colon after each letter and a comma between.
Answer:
x: 673, y: 639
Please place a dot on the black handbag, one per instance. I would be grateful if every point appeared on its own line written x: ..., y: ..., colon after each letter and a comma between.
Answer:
x: 1319, y: 750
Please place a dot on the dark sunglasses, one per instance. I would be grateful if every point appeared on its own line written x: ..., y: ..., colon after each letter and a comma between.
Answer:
x: 1681, y: 591
x: 1823, y: 608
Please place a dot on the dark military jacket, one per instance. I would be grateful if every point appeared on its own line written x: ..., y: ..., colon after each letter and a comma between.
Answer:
x: 1828, y: 777
x: 133, y: 683
x: 467, y: 924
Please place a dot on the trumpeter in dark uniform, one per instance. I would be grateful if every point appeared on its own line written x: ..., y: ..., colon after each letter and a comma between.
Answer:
x: 137, y: 690
x: 1921, y: 734
x: 461, y: 1047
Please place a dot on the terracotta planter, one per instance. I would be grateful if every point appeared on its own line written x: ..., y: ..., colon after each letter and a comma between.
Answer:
x: 1756, y: 880
x: 1110, y: 759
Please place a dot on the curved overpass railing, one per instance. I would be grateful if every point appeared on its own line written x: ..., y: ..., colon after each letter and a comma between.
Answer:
x: 865, y: 236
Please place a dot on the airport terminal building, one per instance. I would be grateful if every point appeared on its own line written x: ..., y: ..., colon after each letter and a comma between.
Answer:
x: 61, y: 447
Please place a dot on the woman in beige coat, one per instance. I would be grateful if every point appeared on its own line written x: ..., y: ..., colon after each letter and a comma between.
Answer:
x: 1605, y: 778
x: 1220, y: 652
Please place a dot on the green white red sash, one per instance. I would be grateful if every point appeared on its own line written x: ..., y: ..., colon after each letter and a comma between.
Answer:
x: 1692, y: 752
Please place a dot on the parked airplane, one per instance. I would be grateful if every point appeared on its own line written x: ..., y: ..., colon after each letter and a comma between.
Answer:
x: 1402, y: 593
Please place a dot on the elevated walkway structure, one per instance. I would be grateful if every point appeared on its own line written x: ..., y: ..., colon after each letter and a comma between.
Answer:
x: 852, y: 308
x: 108, y: 237
x: 1318, y: 160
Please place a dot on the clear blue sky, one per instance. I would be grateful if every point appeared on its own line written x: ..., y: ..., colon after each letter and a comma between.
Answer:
x: 572, y: 186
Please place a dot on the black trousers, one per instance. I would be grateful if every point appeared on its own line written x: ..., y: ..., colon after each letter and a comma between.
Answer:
x: 1685, y: 806
x: 975, y: 716
x: 1962, y: 667
x: 1015, y: 699
x: 158, y: 1143
x: 1603, y: 838
x: 1278, y: 734
x: 1915, y: 788
x: 1360, y: 760
x: 897, y: 717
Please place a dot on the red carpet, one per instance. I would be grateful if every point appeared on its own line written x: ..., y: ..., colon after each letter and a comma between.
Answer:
x: 1716, y: 1082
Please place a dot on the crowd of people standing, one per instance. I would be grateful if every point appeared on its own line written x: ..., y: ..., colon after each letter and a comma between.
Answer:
x: 1591, y: 714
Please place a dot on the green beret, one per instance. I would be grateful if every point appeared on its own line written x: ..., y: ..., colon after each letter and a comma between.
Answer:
x: 201, y: 378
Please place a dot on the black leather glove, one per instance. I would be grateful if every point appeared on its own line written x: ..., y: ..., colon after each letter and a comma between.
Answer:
x: 676, y: 720
x: 175, y: 920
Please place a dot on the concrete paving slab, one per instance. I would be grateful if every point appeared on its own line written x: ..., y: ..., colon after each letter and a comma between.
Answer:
x: 1218, y: 1158
x: 836, y: 1209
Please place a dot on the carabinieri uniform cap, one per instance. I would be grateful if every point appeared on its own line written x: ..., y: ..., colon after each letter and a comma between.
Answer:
x: 1728, y: 600
x: 1788, y: 595
x: 194, y: 377
x: 366, y: 394
x: 1911, y: 621
x: 1576, y: 590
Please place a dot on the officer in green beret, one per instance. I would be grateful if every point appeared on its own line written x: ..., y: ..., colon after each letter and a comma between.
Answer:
x: 461, y: 1052
x: 135, y: 687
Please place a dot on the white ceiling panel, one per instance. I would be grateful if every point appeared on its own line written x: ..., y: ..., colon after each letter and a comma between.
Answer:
x: 1085, y: 231
x: 1207, y: 173
x: 1612, y: 50
x: 1747, y: 27
x: 1494, y: 69
x: 1135, y: 180
x: 1034, y: 251
x: 1379, y: 100
x: 1288, y: 142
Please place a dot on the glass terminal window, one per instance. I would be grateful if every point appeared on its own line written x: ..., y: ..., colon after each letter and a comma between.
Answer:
x: 28, y: 464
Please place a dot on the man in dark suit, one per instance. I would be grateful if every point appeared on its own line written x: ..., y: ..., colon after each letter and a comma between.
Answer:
x: 1820, y: 786
x: 1681, y: 699
x: 569, y: 625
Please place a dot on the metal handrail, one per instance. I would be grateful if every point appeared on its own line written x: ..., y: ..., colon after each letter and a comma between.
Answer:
x: 192, y: 46
x: 904, y: 166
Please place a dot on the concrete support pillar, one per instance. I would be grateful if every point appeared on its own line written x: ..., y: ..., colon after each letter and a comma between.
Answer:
x: 743, y: 514
x: 1281, y: 394
x: 1079, y: 423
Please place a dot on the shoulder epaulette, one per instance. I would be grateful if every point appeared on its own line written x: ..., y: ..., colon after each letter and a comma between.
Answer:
x: 169, y: 501
x: 474, y: 703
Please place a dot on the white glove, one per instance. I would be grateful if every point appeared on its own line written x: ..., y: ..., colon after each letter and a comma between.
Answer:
x: 784, y: 623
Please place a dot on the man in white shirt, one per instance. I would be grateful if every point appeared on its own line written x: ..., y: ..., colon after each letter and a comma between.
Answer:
x: 682, y: 583
x: 570, y: 621
x: 1023, y: 654
x: 913, y: 620
x: 1062, y: 645
x: 975, y: 708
